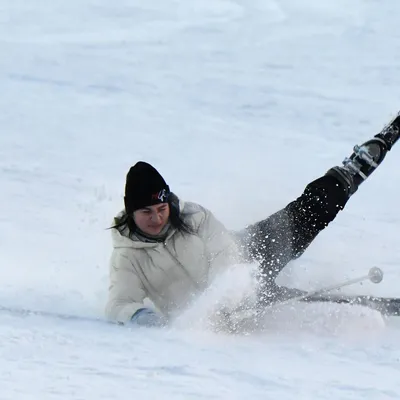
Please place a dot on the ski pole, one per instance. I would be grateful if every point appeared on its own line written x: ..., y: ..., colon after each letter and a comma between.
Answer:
x: 25, y: 312
x: 375, y: 275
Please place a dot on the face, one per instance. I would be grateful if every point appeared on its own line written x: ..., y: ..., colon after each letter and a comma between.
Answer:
x: 152, y: 219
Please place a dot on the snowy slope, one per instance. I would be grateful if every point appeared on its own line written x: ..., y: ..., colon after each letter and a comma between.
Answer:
x: 239, y: 104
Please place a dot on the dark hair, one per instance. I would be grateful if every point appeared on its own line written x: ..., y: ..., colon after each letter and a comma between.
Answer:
x: 175, y: 218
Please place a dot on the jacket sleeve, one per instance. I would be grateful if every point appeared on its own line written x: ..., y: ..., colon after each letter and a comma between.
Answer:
x: 221, y: 249
x: 286, y: 234
x: 126, y: 291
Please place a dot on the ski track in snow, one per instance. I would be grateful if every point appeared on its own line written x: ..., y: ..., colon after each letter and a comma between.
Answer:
x: 240, y: 104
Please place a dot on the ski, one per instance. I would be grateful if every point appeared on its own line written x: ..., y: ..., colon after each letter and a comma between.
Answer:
x: 25, y: 312
x: 388, y: 306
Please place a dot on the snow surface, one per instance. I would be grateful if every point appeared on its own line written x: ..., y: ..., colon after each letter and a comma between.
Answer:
x: 239, y: 104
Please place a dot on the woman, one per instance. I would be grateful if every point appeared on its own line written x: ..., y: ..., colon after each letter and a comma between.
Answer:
x: 168, y: 251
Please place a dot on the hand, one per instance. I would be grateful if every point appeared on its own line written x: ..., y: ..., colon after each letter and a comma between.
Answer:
x: 149, y: 318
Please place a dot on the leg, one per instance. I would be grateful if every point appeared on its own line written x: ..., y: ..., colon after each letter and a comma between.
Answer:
x: 285, y: 235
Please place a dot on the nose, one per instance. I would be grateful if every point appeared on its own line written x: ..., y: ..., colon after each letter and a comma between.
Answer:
x: 156, y: 217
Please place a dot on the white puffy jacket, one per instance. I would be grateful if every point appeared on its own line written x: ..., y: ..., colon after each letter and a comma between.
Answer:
x: 170, y: 273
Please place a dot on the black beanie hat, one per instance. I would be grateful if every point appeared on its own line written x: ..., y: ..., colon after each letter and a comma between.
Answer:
x: 144, y: 187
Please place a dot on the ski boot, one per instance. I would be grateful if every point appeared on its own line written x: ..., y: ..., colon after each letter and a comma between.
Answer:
x: 367, y: 157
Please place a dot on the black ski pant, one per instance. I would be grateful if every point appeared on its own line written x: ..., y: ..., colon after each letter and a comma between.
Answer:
x: 285, y: 235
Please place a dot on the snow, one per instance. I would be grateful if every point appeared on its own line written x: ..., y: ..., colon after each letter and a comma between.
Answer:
x: 239, y: 105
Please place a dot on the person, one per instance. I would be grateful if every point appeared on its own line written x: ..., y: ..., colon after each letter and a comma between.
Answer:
x: 168, y: 251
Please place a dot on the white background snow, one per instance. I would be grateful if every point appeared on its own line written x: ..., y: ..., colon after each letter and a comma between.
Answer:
x: 239, y: 104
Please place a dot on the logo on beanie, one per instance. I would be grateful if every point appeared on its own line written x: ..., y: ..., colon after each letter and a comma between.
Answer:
x: 161, y: 195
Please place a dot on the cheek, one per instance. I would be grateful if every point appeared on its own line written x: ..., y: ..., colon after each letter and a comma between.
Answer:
x: 140, y: 220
